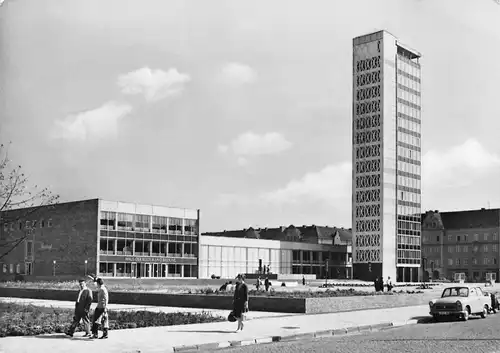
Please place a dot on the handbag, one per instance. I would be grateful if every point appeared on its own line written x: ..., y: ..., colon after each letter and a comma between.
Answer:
x: 231, y: 317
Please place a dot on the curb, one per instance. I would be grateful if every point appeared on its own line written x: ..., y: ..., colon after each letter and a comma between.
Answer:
x: 300, y: 336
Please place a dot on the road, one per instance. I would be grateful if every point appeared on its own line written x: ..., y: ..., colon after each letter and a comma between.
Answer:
x: 476, y: 335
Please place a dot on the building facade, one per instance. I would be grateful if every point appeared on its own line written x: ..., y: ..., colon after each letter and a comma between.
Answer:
x: 108, y: 238
x: 386, y: 189
x: 306, y: 250
x: 462, y: 242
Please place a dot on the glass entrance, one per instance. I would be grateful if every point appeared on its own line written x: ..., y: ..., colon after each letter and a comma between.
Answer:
x: 133, y: 272
x: 156, y: 272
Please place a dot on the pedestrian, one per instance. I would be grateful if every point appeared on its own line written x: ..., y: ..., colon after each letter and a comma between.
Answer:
x: 101, y: 311
x: 389, y: 284
x: 240, y: 301
x: 375, y: 285
x: 266, y: 284
x: 381, y: 284
x: 257, y: 285
x: 82, y: 309
x: 303, y: 281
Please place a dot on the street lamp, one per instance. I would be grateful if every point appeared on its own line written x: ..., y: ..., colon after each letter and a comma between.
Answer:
x: 86, y: 267
x: 54, y: 268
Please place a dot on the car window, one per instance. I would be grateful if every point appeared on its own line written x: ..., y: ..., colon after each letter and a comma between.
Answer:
x: 479, y: 291
x: 455, y: 292
x: 472, y: 292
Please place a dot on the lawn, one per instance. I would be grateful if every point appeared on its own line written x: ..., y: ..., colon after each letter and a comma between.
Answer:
x: 29, y: 320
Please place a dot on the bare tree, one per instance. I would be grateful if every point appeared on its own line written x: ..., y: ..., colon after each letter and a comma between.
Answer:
x: 19, y: 197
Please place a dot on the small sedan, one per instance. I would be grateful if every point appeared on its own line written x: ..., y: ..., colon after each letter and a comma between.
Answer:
x: 460, y: 302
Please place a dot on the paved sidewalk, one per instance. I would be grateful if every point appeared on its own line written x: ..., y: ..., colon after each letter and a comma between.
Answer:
x: 164, y: 339
x: 121, y: 307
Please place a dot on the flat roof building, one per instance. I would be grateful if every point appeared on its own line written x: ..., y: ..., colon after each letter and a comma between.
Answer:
x: 386, y: 158
x: 107, y: 238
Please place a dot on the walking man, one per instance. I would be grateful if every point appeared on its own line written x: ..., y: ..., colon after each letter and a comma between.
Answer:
x: 101, y: 311
x: 82, y: 309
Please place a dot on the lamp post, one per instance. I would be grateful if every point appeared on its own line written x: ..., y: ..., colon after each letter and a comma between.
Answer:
x: 326, y: 271
x: 86, y: 267
x: 54, y: 268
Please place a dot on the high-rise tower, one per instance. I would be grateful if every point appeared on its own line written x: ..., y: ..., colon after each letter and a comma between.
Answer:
x: 386, y: 187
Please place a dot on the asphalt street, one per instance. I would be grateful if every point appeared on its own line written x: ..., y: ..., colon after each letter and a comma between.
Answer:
x: 476, y: 335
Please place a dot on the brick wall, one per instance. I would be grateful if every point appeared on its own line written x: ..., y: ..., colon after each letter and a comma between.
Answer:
x: 69, y: 239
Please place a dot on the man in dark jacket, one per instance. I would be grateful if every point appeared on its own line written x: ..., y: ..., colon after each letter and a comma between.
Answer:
x: 82, y: 309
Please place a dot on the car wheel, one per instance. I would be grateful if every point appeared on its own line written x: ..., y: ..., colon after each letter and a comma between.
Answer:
x: 485, y: 312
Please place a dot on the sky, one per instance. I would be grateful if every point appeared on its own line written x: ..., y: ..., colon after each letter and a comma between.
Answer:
x: 240, y: 109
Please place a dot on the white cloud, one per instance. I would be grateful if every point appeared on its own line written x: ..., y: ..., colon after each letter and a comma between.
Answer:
x: 252, y: 144
x: 331, y: 185
x: 153, y: 84
x: 236, y: 74
x: 242, y: 161
x: 223, y: 148
x: 92, y: 124
x: 458, y: 166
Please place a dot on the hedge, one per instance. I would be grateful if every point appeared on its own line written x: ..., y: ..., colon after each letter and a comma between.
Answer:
x: 30, y: 320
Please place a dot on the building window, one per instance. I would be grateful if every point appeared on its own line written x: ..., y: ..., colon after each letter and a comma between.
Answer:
x: 450, y: 262
x: 12, y: 226
x: 457, y: 248
x: 466, y: 238
x: 466, y: 261
x: 49, y: 223
x: 449, y: 238
x: 466, y: 248
x: 485, y: 261
x: 5, y: 227
x: 108, y: 220
x: 494, y: 261
x: 486, y: 236
x: 125, y: 221
x: 458, y: 238
x: 11, y: 268
x: 190, y: 227
x: 485, y: 248
x: 29, y: 248
x: 495, y: 237
x: 28, y: 224
x: 20, y: 225
x: 457, y: 262
x: 4, y: 268
x: 495, y: 248
x: 476, y: 237
x: 34, y: 223
x: 42, y: 223
x: 175, y: 226
x: 450, y: 249
x: 18, y: 268
x: 474, y: 261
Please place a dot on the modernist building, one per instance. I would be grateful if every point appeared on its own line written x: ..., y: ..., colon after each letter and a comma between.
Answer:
x: 306, y: 250
x: 462, y: 242
x: 112, y: 239
x: 386, y: 159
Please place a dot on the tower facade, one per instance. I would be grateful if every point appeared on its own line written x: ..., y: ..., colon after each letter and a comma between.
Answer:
x: 386, y: 159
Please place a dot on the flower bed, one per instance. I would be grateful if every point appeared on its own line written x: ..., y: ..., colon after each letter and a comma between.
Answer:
x: 29, y: 320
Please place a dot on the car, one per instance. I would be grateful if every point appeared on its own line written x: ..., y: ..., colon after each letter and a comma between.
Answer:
x: 460, y: 302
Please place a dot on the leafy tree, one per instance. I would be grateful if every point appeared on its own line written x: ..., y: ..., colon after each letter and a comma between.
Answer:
x: 18, y: 201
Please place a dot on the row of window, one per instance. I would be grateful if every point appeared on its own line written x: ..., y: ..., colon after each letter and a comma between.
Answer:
x: 408, y: 126
x: 464, y: 238
x: 111, y: 246
x: 10, y: 268
x: 408, y: 79
x: 159, y: 270
x: 27, y: 224
x: 367, y: 122
x: 408, y: 138
x: 408, y: 240
x: 144, y: 223
x: 409, y: 254
x: 318, y: 256
x: 409, y: 113
x: 408, y: 89
x: 407, y: 64
x: 406, y: 96
x: 465, y: 261
x: 368, y: 64
x: 408, y: 210
x: 409, y: 182
x: 408, y: 167
x: 409, y: 196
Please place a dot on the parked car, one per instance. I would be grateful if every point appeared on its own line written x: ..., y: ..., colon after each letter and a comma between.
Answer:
x: 460, y: 302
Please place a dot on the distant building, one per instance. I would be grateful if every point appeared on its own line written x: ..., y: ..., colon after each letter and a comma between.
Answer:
x: 286, y: 250
x: 386, y: 158
x: 461, y: 242
x: 112, y: 239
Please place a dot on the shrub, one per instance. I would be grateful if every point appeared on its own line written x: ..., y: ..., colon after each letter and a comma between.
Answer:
x: 29, y: 320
